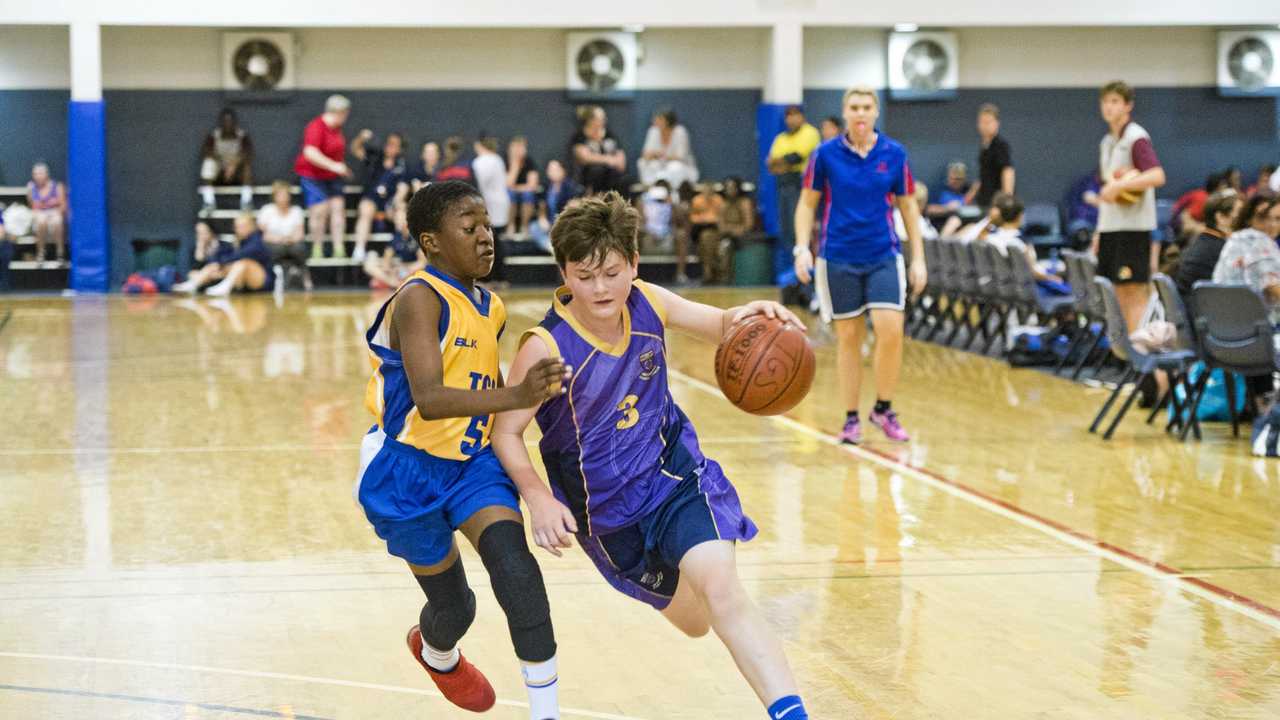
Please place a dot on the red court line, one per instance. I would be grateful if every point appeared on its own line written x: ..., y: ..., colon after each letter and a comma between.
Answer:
x: 1084, y: 537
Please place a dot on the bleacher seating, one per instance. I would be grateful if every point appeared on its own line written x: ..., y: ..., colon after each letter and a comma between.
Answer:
x: 25, y: 272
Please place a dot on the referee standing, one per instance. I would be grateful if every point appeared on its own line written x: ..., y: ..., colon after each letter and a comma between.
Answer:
x: 859, y: 176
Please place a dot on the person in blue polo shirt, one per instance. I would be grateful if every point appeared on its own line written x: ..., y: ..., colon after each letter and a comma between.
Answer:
x: 859, y: 176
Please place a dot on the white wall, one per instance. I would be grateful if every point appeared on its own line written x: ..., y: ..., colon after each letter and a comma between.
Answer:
x: 703, y: 58
x: 35, y: 57
x: 668, y: 13
x: 1028, y: 57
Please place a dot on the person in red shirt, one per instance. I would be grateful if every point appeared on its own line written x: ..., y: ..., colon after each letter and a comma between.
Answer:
x: 321, y: 170
x: 1189, y: 208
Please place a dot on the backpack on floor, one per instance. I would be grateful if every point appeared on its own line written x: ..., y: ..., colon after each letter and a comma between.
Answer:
x: 1213, y: 406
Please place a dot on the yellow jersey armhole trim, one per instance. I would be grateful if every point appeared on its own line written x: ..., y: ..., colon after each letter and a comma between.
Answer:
x: 654, y: 301
x: 544, y: 335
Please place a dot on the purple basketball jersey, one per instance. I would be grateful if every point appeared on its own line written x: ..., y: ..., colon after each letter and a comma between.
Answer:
x: 615, y: 444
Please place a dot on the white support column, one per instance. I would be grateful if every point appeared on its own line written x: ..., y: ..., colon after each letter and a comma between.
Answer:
x: 86, y: 61
x: 784, y: 81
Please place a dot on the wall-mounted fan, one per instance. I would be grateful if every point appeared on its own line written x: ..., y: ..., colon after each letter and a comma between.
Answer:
x: 601, y: 66
x: 257, y: 64
x: 1249, y: 63
x: 923, y: 66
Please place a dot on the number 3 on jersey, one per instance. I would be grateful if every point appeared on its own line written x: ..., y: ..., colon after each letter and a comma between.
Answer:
x: 630, y: 416
x: 480, y: 423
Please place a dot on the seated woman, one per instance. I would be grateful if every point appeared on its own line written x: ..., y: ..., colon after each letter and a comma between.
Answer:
x: 247, y: 267
x: 401, y: 258
x: 666, y: 154
x: 47, y: 199
x: 211, y: 252
x: 1220, y: 213
x: 281, y: 224
x: 1250, y: 255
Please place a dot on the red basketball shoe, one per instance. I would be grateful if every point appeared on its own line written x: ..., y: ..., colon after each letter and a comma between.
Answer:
x: 464, y: 686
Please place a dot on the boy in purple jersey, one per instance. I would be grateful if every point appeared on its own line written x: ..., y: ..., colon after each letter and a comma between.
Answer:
x: 657, y: 517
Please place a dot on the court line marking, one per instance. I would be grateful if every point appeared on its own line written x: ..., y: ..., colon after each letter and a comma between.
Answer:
x: 1154, y: 569
x: 290, y: 677
x: 212, y: 707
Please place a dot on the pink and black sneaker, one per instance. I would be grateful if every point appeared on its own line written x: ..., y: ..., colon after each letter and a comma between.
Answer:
x: 888, y: 422
x: 852, y: 432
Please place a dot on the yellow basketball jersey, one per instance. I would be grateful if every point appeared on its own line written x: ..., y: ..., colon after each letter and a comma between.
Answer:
x: 470, y: 326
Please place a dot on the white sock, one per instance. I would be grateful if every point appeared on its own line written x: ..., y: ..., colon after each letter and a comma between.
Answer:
x: 440, y: 660
x: 206, y: 194
x: 540, y: 679
x: 246, y: 196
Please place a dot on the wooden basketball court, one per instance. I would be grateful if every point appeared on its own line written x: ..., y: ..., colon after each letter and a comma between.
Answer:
x: 180, y: 541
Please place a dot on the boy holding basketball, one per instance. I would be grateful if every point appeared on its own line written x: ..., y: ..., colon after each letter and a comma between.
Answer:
x: 658, y: 518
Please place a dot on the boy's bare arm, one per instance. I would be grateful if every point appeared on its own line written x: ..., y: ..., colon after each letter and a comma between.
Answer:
x: 414, y: 332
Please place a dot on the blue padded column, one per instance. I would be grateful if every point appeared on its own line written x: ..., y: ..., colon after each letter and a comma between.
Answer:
x: 87, y: 193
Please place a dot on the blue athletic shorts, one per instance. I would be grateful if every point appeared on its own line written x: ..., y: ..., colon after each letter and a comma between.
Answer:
x: 315, y: 192
x: 642, y: 561
x: 415, y: 501
x: 847, y: 291
x: 526, y: 197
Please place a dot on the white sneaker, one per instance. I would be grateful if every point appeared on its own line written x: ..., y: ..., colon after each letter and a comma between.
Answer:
x: 279, y: 273
x: 222, y: 289
x: 184, y: 287
x: 357, y: 255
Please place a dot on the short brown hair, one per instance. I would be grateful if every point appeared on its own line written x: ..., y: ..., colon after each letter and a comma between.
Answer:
x: 989, y: 109
x: 279, y: 185
x: 1118, y: 87
x: 588, y: 229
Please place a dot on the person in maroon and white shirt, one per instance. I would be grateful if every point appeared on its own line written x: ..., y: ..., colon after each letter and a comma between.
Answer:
x: 321, y: 171
x: 1130, y: 173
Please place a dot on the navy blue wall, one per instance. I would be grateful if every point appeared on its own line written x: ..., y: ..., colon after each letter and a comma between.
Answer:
x: 1055, y: 133
x: 153, y: 136
x: 33, y: 126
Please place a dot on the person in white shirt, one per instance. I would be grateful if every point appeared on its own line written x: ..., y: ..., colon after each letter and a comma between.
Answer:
x: 491, y: 178
x: 282, y: 226
x: 666, y: 154
x: 1006, y: 236
x: 927, y: 230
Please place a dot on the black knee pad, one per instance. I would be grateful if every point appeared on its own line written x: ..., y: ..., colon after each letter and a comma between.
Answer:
x: 450, y: 608
x: 517, y: 583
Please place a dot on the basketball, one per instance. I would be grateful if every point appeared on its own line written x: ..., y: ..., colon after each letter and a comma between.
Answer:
x: 764, y: 365
x: 1128, y: 197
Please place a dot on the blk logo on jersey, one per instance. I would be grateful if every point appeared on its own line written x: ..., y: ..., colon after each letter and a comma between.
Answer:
x: 648, y: 366
x: 465, y: 343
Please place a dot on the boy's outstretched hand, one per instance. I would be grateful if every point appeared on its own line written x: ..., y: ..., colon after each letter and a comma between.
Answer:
x: 545, y: 380
x: 768, y: 308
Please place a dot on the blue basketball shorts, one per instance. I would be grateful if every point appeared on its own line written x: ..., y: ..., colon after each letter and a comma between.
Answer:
x: 415, y: 501
x: 847, y: 291
x: 315, y: 192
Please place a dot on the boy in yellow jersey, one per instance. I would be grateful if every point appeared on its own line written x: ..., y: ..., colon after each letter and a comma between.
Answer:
x: 426, y: 468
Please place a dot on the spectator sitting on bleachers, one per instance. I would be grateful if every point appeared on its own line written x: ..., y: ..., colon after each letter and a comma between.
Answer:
x: 226, y: 160
x: 47, y: 199
x: 1006, y: 236
x: 454, y: 166
x: 667, y: 154
x: 281, y: 224
x: 830, y: 128
x: 6, y: 255
x: 426, y: 171
x: 553, y: 198
x: 704, y: 219
x: 737, y: 220
x: 945, y: 214
x: 401, y: 258
x: 1082, y: 210
x: 1234, y: 178
x: 599, y: 162
x: 522, y: 185
x: 384, y: 172
x: 249, y: 267
x: 1197, y: 262
x: 321, y: 172
x: 210, y: 257
x: 655, y: 210
x: 682, y: 228
x: 1250, y: 255
x: 927, y: 230
x: 1263, y: 185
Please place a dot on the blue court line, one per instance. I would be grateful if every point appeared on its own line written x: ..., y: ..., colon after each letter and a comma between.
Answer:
x: 159, y: 701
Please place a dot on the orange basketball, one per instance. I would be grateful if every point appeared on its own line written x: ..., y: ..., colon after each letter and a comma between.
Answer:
x: 1127, y: 197
x: 764, y: 365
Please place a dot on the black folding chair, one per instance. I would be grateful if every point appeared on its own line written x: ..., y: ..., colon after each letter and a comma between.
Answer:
x: 1139, y: 365
x: 1233, y: 332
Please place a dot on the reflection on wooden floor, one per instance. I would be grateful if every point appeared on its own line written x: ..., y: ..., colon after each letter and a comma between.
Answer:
x: 180, y: 541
